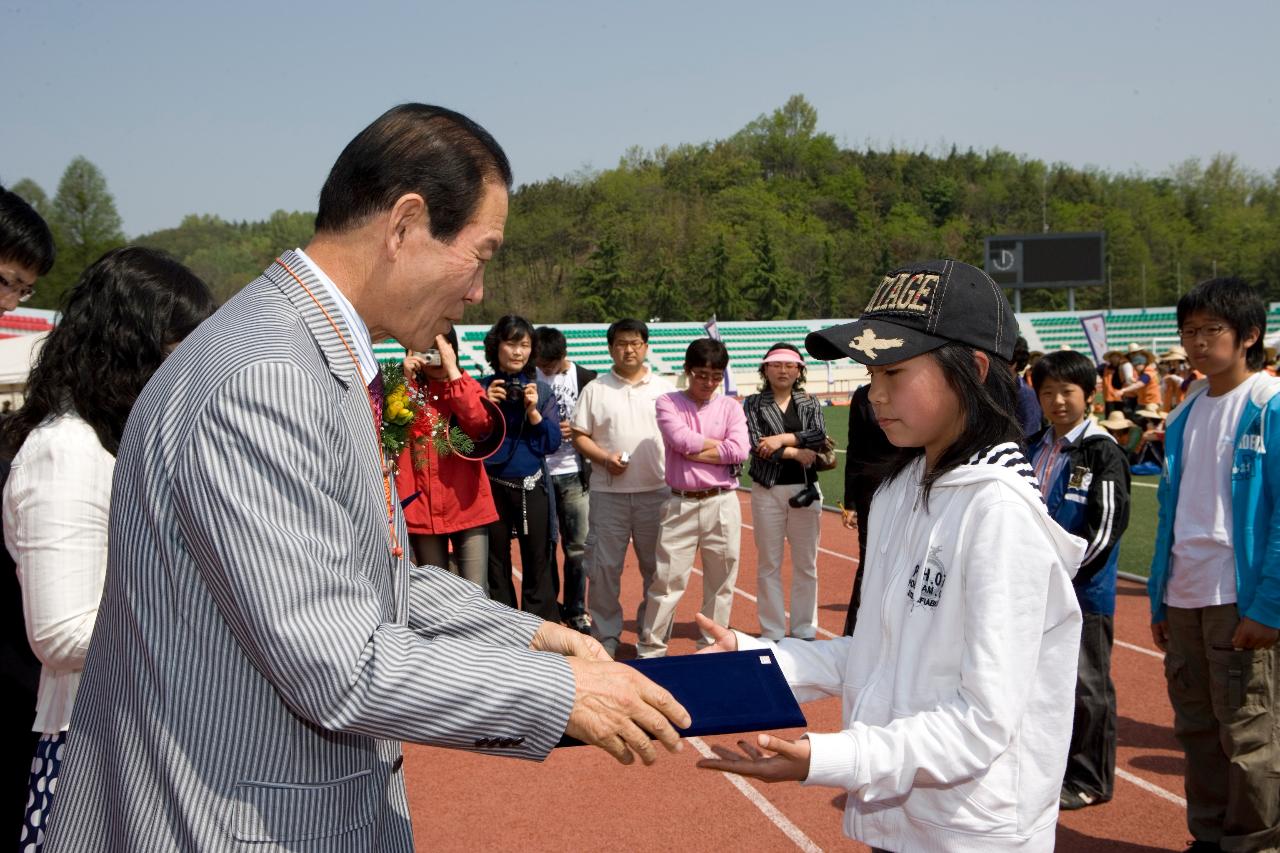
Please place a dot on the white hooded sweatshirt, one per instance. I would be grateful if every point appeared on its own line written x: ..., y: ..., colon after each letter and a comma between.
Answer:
x: 959, y: 681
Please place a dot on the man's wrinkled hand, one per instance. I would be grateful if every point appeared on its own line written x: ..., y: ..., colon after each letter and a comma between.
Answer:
x: 617, y: 709
x: 560, y: 640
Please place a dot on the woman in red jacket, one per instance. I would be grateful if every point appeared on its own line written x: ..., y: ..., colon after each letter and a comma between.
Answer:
x: 453, y: 503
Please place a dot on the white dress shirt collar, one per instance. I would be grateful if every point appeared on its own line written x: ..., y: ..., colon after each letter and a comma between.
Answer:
x: 361, y: 344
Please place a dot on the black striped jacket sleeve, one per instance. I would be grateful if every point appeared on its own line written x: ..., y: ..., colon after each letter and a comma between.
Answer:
x: 814, y: 426
x: 1107, y: 510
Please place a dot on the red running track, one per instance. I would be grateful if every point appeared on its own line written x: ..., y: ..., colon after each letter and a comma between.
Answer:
x: 581, y: 799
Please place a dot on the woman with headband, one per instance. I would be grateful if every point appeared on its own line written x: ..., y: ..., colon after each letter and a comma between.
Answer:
x: 787, y: 430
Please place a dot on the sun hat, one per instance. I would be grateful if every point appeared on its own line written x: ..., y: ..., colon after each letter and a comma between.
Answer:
x: 1174, y: 353
x: 1138, y: 349
x: 1151, y: 411
x: 1117, y: 420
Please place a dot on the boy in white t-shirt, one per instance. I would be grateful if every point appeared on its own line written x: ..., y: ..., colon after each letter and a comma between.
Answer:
x: 1215, y: 576
x: 570, y: 474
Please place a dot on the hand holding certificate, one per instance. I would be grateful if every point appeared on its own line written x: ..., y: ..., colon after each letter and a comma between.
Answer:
x: 614, y: 707
x: 782, y: 760
x: 739, y: 692
x: 618, y: 709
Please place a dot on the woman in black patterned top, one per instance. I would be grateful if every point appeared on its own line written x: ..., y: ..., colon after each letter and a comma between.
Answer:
x: 787, y: 429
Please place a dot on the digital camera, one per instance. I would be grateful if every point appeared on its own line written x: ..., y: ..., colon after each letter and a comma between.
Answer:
x: 805, y: 496
x: 430, y: 357
x: 514, y: 386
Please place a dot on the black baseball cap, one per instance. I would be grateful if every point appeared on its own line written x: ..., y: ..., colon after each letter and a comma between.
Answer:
x: 917, y: 309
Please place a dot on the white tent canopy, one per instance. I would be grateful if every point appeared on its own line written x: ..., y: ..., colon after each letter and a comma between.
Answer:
x: 16, y: 356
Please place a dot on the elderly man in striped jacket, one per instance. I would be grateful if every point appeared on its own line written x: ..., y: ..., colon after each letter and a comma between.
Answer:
x: 264, y: 642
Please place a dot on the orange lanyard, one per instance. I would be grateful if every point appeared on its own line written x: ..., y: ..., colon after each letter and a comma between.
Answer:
x: 396, y: 550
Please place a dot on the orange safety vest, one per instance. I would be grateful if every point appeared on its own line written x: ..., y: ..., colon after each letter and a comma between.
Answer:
x: 1110, y: 394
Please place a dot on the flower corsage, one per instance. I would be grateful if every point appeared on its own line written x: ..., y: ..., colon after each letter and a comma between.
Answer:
x: 398, y: 411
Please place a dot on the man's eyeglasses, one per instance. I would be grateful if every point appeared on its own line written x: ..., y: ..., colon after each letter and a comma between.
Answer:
x: 24, y: 292
x: 1190, y: 333
x: 711, y: 377
x: 628, y: 345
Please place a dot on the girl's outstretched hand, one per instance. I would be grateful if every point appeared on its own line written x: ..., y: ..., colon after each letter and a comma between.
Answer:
x: 781, y: 761
x: 725, y: 640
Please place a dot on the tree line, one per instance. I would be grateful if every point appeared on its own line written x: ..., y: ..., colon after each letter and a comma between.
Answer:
x: 776, y: 221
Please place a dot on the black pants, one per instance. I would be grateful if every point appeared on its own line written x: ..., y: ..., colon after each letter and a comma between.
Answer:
x: 1091, y: 762
x: 862, y: 511
x: 538, y: 587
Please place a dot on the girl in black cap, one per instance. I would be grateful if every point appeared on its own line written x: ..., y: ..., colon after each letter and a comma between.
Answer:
x: 958, y: 682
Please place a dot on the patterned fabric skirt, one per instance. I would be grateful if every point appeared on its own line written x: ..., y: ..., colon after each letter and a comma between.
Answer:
x: 45, y: 768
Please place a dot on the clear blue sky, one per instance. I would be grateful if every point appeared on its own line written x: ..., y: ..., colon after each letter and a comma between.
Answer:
x: 239, y: 108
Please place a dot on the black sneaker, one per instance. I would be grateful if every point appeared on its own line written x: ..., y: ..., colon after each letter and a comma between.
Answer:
x: 581, y: 624
x: 1070, y: 800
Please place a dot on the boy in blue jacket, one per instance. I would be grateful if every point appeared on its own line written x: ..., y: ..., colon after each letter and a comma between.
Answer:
x: 1084, y: 478
x: 1215, y: 576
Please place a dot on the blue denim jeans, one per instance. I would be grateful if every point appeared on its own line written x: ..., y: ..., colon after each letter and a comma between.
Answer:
x: 571, y: 512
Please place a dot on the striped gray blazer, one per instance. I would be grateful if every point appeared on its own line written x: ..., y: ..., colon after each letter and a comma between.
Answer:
x: 259, y: 653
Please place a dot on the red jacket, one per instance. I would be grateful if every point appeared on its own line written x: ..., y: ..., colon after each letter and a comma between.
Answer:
x: 453, y: 493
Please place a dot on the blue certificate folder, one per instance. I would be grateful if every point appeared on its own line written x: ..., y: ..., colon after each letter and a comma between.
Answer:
x: 724, y: 693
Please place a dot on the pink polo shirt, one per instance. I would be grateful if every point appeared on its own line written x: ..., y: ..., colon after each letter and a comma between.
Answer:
x: 685, y: 425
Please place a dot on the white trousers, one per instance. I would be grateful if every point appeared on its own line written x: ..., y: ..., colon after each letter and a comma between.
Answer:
x: 775, y: 521
x: 713, y: 525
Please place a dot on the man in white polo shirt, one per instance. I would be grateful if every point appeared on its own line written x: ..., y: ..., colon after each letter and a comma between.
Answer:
x: 616, y: 428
